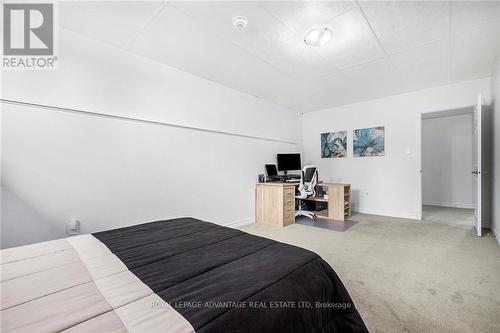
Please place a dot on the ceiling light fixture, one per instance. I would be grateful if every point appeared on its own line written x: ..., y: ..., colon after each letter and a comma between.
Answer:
x: 240, y: 22
x: 318, y: 36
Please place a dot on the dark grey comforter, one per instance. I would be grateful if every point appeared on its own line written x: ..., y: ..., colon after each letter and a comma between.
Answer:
x: 225, y: 280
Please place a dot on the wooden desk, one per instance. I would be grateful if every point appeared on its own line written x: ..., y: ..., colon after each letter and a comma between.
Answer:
x: 275, y: 203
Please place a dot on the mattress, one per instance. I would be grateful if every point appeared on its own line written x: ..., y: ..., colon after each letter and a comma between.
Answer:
x: 180, y: 275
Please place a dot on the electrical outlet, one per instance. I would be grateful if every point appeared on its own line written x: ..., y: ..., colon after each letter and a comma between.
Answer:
x: 73, y: 227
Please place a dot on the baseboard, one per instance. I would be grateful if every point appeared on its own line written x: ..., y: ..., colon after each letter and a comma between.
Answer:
x: 240, y: 223
x: 399, y: 215
x: 448, y: 204
x: 497, y: 235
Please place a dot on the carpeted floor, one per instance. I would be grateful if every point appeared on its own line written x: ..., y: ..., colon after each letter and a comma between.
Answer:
x: 433, y: 275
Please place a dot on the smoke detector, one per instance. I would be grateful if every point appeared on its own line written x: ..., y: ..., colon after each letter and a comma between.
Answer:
x: 240, y: 22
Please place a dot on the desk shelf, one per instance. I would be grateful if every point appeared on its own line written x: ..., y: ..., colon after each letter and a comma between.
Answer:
x: 339, y: 201
x: 320, y: 199
x: 322, y: 213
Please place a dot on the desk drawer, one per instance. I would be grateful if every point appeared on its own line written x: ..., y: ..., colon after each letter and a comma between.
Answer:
x: 289, y: 197
x: 288, y: 201
x: 288, y: 217
x: 288, y: 210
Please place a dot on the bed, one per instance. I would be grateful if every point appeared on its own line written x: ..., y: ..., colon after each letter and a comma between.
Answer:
x: 180, y: 275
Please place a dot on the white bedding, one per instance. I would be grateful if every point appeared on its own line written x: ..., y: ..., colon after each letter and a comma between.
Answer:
x: 77, y: 285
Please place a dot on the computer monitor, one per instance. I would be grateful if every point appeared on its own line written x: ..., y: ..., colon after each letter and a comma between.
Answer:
x: 289, y: 162
x: 271, y: 170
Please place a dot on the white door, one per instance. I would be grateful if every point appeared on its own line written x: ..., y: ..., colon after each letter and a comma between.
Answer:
x: 476, y: 167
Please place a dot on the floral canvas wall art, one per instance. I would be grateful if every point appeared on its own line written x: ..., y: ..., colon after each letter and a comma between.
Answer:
x: 334, y: 144
x: 369, y: 141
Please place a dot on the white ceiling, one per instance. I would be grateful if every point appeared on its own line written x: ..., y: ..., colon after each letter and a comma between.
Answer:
x: 378, y: 49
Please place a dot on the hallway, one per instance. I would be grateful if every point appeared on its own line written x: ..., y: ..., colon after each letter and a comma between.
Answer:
x: 454, y: 217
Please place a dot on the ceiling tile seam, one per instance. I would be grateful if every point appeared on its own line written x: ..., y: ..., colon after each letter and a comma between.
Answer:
x: 343, y: 12
x: 348, y: 68
x: 375, y: 35
x: 362, y: 63
x: 289, y: 107
x: 100, y: 41
x: 418, y: 46
x: 193, y: 20
x: 476, y: 26
x: 345, y: 70
x: 290, y: 76
x: 337, y: 69
x: 258, y: 57
x: 248, y: 52
x: 243, y: 91
x: 93, y: 38
x: 146, y: 24
x: 295, y: 32
x: 460, y: 30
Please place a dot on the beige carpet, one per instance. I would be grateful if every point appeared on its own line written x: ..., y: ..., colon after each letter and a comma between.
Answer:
x: 410, y: 276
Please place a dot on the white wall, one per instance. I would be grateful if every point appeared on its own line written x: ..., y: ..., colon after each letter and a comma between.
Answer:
x: 388, y: 185
x: 447, y: 161
x: 29, y: 226
x: 97, y: 77
x: 495, y: 91
x: 109, y: 172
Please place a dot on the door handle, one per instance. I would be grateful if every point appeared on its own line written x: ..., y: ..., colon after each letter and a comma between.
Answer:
x: 474, y: 172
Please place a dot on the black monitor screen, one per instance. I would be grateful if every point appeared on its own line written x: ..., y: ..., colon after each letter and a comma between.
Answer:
x: 289, y: 162
x: 271, y: 170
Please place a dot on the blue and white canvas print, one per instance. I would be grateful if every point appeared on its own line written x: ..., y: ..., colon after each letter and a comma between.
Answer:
x: 369, y: 141
x: 334, y: 144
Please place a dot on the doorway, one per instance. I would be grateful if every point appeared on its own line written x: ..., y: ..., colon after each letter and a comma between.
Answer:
x: 447, y: 158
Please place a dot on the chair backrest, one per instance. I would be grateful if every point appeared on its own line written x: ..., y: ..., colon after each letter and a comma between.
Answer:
x: 308, y: 173
x: 309, y: 179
